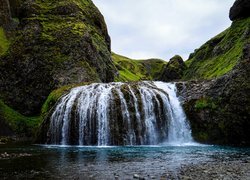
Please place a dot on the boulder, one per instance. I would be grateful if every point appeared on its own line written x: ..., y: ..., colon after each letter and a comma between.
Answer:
x: 240, y: 9
x: 174, y: 69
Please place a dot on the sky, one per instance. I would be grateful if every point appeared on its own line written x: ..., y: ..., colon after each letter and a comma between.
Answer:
x: 143, y: 29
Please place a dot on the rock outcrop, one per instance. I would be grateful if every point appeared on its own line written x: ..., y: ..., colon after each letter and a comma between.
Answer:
x: 174, y: 69
x: 219, y: 109
x: 240, y: 9
x: 56, y: 43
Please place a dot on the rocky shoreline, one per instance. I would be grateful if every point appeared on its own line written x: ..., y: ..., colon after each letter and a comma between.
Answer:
x: 239, y: 169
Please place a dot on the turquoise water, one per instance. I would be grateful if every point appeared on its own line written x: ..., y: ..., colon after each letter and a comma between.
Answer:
x: 74, y: 162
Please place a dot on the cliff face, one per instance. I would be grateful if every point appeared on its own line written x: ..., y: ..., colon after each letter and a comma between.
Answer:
x: 219, y: 109
x: 56, y: 43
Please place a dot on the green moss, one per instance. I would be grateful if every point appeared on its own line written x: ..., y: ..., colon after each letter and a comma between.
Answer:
x: 17, y: 122
x: 220, y: 54
x: 55, y: 96
x: 135, y: 70
x: 205, y: 103
x: 4, y: 42
x: 201, y: 136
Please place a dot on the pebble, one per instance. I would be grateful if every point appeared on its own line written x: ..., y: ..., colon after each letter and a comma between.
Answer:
x: 136, y: 176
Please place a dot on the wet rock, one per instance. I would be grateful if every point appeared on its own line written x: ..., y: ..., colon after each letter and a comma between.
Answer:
x: 136, y: 176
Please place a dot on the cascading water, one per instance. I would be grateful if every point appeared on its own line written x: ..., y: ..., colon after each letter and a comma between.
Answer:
x: 143, y: 113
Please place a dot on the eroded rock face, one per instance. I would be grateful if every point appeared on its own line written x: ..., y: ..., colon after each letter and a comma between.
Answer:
x: 174, y: 69
x: 240, y: 9
x: 57, y: 43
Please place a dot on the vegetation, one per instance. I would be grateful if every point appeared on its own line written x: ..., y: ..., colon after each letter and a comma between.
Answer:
x: 220, y: 54
x: 55, y: 96
x: 136, y: 70
x: 205, y: 103
x: 4, y: 42
x: 21, y: 125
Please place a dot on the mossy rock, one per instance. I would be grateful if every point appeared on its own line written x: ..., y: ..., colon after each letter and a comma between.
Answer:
x: 4, y: 42
x: 56, y: 43
x: 174, y: 69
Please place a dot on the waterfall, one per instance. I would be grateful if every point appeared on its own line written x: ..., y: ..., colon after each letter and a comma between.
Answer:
x: 142, y: 113
x: 179, y: 128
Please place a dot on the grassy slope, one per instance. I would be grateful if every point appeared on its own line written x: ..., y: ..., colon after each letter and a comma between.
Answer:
x: 135, y: 70
x: 220, y: 54
x: 20, y: 124
x: 4, y: 43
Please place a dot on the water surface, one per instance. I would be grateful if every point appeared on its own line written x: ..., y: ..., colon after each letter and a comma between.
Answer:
x: 78, y: 162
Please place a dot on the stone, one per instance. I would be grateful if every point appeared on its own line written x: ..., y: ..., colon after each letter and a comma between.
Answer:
x: 240, y: 9
x: 136, y: 176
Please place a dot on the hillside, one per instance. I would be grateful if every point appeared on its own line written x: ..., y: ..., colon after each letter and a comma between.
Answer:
x: 136, y: 70
x: 219, y: 55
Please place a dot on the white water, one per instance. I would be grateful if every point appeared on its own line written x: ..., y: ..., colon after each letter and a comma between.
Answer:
x: 179, y: 128
x: 144, y: 113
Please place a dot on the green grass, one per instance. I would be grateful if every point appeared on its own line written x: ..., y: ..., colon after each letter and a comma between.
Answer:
x: 4, y: 42
x: 219, y: 55
x: 136, y: 70
x: 17, y: 122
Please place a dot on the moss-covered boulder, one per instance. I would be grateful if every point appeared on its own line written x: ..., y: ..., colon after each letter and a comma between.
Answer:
x: 174, y: 69
x: 57, y: 43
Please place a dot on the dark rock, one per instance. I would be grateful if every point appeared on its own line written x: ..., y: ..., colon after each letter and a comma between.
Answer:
x: 5, y: 13
x: 5, y: 129
x: 174, y: 69
x: 240, y: 9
